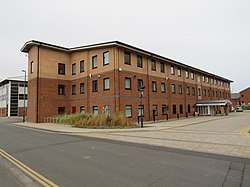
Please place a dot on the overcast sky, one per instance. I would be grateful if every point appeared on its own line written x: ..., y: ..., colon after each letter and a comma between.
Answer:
x: 213, y: 35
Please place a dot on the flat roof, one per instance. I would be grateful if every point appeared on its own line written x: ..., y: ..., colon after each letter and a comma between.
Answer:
x: 28, y: 45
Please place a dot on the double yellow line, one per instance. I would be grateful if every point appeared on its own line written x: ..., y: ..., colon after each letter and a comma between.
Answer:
x: 31, y: 173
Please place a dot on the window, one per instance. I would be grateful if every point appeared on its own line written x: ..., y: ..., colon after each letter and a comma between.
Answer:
x: 154, y: 86
x: 95, y: 110
x: 188, y: 90
x: 216, y: 93
x: 139, y: 83
x: 32, y: 67
x: 139, y: 61
x: 107, y: 110
x: 189, y: 108
x: 187, y: 74
x: 82, y: 109
x: 106, y: 84
x: 127, y: 59
x: 61, y: 89
x: 213, y: 93
x: 179, y: 72
x: 163, y: 87
x: 128, y: 83
x: 193, y: 91
x: 81, y: 66
x: 155, y: 110
x: 192, y: 75
x: 81, y: 88
x: 207, y: 78
x: 172, y: 70
x: 74, y: 69
x: 140, y: 110
x: 162, y: 67
x: 106, y: 58
x: 173, y: 88
x: 174, y: 109
x: 128, y: 111
x: 198, y: 79
x: 203, y: 78
x: 94, y: 86
x: 212, y: 81
x: 164, y: 109
x: 208, y: 93
x: 61, y: 69
x: 205, y: 92
x: 153, y: 65
x: 61, y: 110
x: 181, y: 109
x: 180, y: 89
x: 94, y: 62
x: 199, y: 91
x: 74, y: 89
x: 215, y: 81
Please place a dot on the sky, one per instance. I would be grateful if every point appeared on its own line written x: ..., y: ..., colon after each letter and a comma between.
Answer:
x: 212, y: 35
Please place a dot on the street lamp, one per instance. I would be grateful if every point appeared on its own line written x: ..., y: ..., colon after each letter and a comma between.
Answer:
x: 141, y: 94
x: 24, y: 97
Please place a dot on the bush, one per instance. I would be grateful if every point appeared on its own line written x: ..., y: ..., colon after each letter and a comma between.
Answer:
x: 246, y: 107
x: 117, y: 120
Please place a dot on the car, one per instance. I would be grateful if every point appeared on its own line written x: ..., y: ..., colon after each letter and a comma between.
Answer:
x: 238, y: 109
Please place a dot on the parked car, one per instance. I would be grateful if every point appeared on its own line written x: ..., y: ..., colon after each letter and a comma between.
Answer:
x: 238, y: 109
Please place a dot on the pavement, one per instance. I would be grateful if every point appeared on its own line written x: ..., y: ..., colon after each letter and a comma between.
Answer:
x: 223, y: 135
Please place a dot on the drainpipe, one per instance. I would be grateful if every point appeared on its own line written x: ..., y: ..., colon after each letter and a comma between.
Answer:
x: 38, y: 83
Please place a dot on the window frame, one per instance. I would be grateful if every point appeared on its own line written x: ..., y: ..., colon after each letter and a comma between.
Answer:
x: 164, y: 85
x: 139, y: 61
x: 73, y: 69
x: 82, y: 86
x: 154, y: 86
x: 95, y: 86
x: 153, y: 64
x: 31, y: 67
x: 61, y: 67
x: 61, y: 86
x: 172, y: 70
x: 179, y: 72
x: 104, y: 84
x: 131, y: 111
x: 130, y: 84
x: 94, y: 62
x: 105, y: 59
x: 162, y: 67
x: 128, y: 58
x: 173, y: 89
x: 73, y: 89
x: 180, y: 89
x: 82, y: 63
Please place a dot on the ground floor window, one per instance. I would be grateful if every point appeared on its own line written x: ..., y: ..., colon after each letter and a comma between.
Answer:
x: 128, y: 110
x: 181, y: 109
x: 140, y: 110
x: 164, y: 109
x: 95, y: 110
x: 82, y: 109
x: 174, y: 109
x: 189, y: 109
x: 61, y: 110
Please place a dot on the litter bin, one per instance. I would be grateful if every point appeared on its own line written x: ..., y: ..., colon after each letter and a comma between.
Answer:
x: 196, y: 114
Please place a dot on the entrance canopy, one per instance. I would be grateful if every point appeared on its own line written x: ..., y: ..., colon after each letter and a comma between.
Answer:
x: 214, y: 103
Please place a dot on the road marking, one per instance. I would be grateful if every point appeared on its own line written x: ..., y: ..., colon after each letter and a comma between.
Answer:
x: 245, y: 131
x: 36, y: 176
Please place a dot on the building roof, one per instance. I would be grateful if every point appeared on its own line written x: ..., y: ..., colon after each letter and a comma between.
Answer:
x: 245, y: 89
x: 28, y: 45
x: 235, y: 95
x: 16, y: 78
x: 213, y: 103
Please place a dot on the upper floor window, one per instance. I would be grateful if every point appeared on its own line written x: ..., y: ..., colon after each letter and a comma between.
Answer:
x: 73, y: 89
x: 173, y: 88
x: 212, y: 81
x: 128, y: 83
x: 106, y: 84
x: 81, y: 66
x: 74, y: 69
x: 163, y: 87
x: 180, y: 89
x: 203, y: 78
x: 205, y: 92
x: 192, y: 75
x: 94, y: 62
x: 140, y: 83
x: 187, y: 74
x: 61, y: 89
x: 81, y: 88
x: 153, y: 65
x: 215, y: 81
x: 198, y: 79
x: 106, y: 58
x: 162, y: 67
x: 199, y: 91
x: 61, y: 69
x: 32, y: 67
x: 154, y: 86
x: 172, y: 70
x: 193, y: 91
x: 139, y: 61
x: 188, y: 90
x: 179, y: 72
x: 127, y: 58
x: 207, y: 78
x: 95, y: 86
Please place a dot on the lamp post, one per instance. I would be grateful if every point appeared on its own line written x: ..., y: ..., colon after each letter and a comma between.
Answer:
x: 24, y: 96
x: 141, y: 94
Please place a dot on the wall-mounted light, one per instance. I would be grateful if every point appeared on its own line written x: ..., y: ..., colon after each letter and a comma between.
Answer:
x: 90, y: 75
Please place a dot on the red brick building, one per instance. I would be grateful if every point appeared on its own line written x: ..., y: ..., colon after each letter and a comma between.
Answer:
x: 105, y: 77
x: 245, y: 96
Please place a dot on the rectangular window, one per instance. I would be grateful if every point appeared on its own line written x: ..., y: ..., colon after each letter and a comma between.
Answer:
x: 81, y: 88
x: 192, y: 75
x: 180, y: 89
x: 106, y: 58
x: 162, y: 67
x: 153, y: 65
x: 128, y: 111
x: 174, y: 109
x: 203, y: 78
x: 173, y: 88
x: 81, y: 66
x: 163, y: 87
x: 172, y: 70
x: 154, y: 86
x: 212, y: 81
x: 207, y: 78
x: 155, y: 110
x: 199, y: 91
x: 106, y: 84
x: 187, y: 74
x: 139, y: 61
x: 164, y: 109
x: 208, y: 93
x: 189, y: 108
x: 188, y: 90
x: 204, y: 92
x: 74, y: 69
x: 61, y: 69
x: 74, y: 89
x: 140, y: 110
x: 127, y: 58
x: 139, y: 83
x: 198, y: 79
x: 94, y: 62
x: 179, y: 72
x: 95, y: 110
x: 215, y: 81
x: 61, y: 89
x: 193, y: 91
x: 181, y: 109
x: 61, y: 110
x: 128, y: 83
x: 107, y: 110
x: 32, y: 67
x: 216, y: 93
x: 94, y: 86
x: 82, y: 109
x: 213, y: 93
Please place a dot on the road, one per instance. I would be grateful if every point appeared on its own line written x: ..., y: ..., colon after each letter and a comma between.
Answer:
x: 85, y: 161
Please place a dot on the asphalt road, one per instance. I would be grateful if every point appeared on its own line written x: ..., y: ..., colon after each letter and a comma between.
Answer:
x: 80, y: 161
